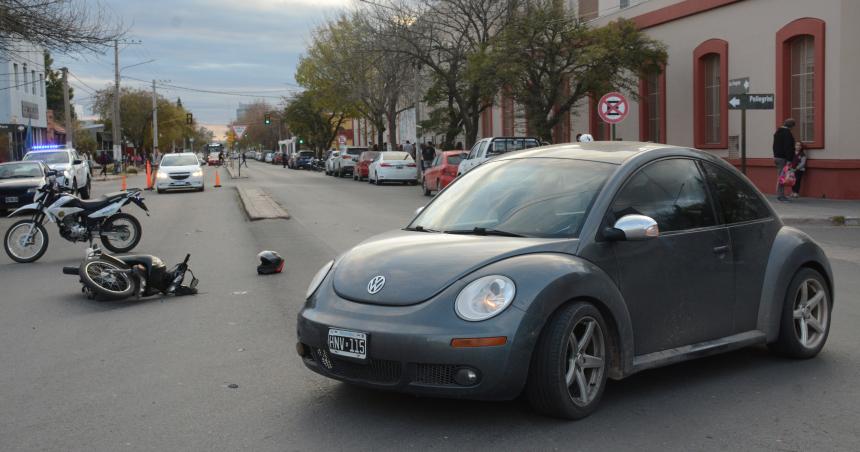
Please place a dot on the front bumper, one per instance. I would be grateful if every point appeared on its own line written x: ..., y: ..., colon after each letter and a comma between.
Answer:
x: 171, y: 184
x: 409, y: 347
x: 23, y: 198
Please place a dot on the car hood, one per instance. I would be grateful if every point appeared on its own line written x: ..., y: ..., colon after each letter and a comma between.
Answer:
x: 59, y: 167
x: 418, y: 265
x: 179, y: 169
x: 20, y: 183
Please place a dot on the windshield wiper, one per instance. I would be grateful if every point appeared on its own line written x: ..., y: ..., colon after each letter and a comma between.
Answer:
x: 420, y: 229
x: 484, y: 231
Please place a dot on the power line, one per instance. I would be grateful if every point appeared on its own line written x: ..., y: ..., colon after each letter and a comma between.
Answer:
x: 83, y: 83
x: 207, y: 91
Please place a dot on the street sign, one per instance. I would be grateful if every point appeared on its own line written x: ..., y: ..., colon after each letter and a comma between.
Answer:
x: 613, y: 108
x: 751, y: 102
x: 739, y: 86
x: 341, y: 140
x: 239, y: 131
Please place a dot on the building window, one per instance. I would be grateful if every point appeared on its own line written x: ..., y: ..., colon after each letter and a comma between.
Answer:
x: 652, y: 108
x: 710, y: 96
x: 42, y: 85
x: 17, y: 80
x: 800, y: 79
x: 587, y: 9
x: 24, y: 72
x: 623, y: 4
x: 33, y: 78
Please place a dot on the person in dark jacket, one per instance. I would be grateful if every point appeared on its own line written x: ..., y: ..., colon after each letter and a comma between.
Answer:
x: 783, y: 152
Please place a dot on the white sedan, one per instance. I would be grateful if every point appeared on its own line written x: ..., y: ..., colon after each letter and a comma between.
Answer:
x: 392, y: 166
x: 179, y: 171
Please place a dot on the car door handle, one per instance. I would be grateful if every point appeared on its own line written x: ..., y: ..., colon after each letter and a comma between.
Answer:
x: 722, y: 249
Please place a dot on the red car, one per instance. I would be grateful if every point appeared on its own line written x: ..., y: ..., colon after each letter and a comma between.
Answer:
x: 442, y: 171
x: 212, y: 160
x: 362, y: 168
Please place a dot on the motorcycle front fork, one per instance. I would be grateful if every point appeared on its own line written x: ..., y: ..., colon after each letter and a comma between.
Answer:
x: 37, y: 220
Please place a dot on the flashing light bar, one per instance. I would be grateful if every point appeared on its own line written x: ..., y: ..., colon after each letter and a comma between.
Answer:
x: 42, y: 147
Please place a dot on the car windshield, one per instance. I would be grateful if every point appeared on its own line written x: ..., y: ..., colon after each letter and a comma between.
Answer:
x: 355, y: 151
x: 395, y: 155
x: 454, y: 159
x: 179, y: 160
x: 536, y: 197
x: 20, y: 170
x: 48, y: 157
x: 306, y: 154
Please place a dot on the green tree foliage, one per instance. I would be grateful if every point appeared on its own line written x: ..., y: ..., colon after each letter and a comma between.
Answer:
x: 54, y: 90
x: 309, y: 119
x: 551, y: 60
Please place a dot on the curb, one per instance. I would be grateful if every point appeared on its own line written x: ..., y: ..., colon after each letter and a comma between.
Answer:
x: 233, y: 175
x: 259, y: 205
x: 822, y: 221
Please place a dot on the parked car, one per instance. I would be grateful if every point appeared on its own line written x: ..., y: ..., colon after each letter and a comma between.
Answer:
x: 362, y: 167
x: 329, y: 162
x: 548, y: 271
x: 277, y: 158
x: 345, y: 163
x: 19, y: 182
x: 487, y: 148
x: 180, y: 171
x: 303, y: 160
x: 268, y: 157
x: 73, y: 171
x: 392, y: 166
x: 442, y: 171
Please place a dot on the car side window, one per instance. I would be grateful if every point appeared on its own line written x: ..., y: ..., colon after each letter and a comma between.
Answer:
x: 738, y: 201
x: 474, y: 152
x: 672, y: 192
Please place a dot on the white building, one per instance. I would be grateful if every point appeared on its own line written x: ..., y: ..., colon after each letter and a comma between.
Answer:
x: 22, y: 99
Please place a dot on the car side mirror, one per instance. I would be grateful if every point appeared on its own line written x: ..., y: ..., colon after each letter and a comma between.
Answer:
x: 77, y: 162
x: 633, y: 227
x: 418, y: 210
x: 51, y: 173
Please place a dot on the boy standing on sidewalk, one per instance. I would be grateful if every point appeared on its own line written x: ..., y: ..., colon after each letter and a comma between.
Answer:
x: 783, y: 152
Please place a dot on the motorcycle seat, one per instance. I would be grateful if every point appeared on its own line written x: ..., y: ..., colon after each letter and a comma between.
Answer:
x: 100, y: 203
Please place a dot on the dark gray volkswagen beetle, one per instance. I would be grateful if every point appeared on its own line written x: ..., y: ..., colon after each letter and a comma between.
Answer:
x: 554, y: 268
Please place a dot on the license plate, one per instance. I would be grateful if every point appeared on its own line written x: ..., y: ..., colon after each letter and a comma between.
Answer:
x: 11, y: 199
x: 399, y: 167
x: 347, y: 343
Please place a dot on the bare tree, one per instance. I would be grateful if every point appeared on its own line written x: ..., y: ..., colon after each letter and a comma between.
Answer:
x: 59, y: 25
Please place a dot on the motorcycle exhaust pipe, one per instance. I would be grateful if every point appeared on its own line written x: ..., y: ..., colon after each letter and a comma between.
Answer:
x: 71, y: 271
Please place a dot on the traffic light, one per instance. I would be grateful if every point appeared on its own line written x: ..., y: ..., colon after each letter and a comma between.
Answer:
x: 301, y: 141
x: 268, y: 119
x: 189, y: 118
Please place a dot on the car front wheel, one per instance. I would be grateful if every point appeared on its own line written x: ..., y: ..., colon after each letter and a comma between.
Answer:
x: 805, y: 321
x: 568, y: 371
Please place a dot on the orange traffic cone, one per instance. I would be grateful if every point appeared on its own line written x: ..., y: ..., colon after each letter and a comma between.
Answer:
x: 124, y: 185
x: 217, y: 179
x: 149, y: 181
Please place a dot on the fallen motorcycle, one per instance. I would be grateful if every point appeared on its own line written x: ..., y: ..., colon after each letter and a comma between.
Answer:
x: 108, y: 277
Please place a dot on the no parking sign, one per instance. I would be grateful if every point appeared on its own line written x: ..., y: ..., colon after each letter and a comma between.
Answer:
x: 613, y: 108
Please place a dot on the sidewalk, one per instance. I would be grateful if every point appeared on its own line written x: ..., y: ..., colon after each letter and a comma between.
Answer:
x: 800, y: 211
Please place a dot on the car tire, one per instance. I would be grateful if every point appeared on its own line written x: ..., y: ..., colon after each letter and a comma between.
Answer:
x: 554, y: 388
x: 74, y: 187
x: 159, y: 191
x: 805, y: 320
x: 438, y: 186
x: 85, y: 192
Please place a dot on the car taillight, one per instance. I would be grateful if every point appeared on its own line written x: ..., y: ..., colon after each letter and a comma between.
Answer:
x: 385, y: 165
x: 411, y: 165
x: 346, y: 157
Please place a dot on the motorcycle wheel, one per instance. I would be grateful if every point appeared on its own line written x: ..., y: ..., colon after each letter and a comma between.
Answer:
x: 98, y: 276
x: 12, y: 242
x: 122, y: 220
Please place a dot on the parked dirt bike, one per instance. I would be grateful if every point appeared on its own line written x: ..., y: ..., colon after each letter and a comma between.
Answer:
x: 79, y: 221
x: 108, y: 277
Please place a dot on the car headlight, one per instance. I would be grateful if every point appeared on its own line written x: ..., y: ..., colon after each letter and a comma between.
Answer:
x: 485, y: 297
x: 162, y: 175
x: 318, y: 279
x: 67, y: 174
x: 197, y: 173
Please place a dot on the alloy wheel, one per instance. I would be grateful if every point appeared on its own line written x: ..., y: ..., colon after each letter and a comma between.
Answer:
x: 586, y: 361
x: 811, y: 313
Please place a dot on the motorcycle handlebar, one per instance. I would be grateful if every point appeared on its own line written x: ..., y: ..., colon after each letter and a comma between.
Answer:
x: 187, y: 256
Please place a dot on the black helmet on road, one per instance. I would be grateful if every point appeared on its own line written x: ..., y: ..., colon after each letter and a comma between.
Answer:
x: 270, y: 262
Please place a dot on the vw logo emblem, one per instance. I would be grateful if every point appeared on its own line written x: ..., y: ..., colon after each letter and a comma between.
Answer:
x: 376, y: 284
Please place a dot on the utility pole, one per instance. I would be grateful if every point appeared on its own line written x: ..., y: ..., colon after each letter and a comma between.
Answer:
x: 117, y: 138
x: 70, y: 128
x: 154, y: 122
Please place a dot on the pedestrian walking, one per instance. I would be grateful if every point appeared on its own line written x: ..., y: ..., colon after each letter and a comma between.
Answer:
x: 799, y: 165
x: 103, y: 161
x: 243, y: 161
x: 427, y: 156
x: 783, y: 153
x: 409, y: 149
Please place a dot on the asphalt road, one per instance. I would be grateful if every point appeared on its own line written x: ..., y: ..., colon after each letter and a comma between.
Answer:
x: 153, y: 374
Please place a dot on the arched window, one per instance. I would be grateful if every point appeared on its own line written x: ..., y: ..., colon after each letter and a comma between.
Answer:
x: 800, y: 79
x: 710, y: 94
x: 652, y: 107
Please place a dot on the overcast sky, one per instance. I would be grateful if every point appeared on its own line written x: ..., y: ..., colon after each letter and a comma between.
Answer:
x: 247, y: 46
